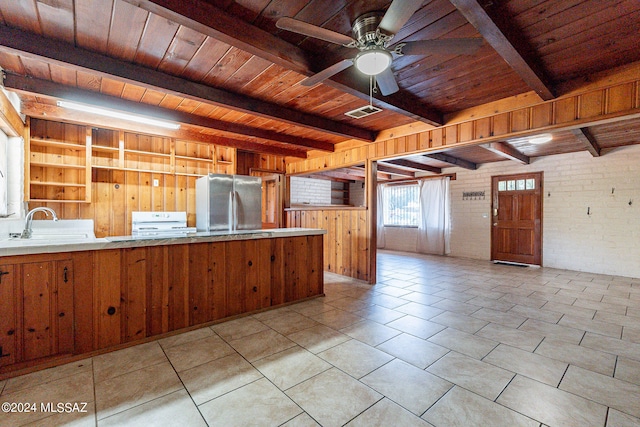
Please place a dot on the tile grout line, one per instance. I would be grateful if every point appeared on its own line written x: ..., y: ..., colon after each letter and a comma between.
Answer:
x: 183, y: 384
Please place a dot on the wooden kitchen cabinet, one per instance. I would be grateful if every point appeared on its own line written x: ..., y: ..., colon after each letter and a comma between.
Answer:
x: 9, y: 307
x: 302, y: 267
x: 55, y: 305
x: 134, y: 293
x: 47, y: 298
x: 245, y: 291
x: 37, y: 305
x: 107, y: 279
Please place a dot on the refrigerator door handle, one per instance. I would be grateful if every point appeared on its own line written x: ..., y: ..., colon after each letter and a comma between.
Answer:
x: 235, y: 210
x: 230, y: 212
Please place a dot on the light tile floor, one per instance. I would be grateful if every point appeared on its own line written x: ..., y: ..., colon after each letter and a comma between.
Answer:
x: 437, y: 341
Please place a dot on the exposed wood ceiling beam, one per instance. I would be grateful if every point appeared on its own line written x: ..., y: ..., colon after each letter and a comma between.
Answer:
x: 58, y: 91
x: 507, y: 41
x: 413, y: 165
x: 391, y: 170
x: 506, y: 151
x: 338, y: 175
x: 443, y: 157
x: 329, y: 178
x: 360, y: 172
x: 37, y: 47
x: 208, y: 19
x: 189, y: 133
x: 351, y: 174
x: 589, y: 141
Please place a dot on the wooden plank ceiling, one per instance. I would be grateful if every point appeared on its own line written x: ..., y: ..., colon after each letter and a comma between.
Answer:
x: 230, y: 76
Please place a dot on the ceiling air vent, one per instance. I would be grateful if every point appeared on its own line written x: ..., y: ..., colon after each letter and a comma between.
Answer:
x: 361, y: 112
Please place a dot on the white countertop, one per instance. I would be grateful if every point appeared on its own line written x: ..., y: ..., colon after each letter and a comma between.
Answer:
x: 18, y: 246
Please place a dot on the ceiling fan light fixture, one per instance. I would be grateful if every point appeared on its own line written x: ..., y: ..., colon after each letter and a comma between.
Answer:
x: 541, y: 139
x: 373, y: 61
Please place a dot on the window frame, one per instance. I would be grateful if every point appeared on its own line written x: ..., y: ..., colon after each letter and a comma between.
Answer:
x: 386, y: 205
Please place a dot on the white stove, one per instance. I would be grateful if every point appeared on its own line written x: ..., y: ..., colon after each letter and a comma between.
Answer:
x: 160, y: 224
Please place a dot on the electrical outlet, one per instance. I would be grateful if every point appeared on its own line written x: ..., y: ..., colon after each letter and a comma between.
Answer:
x: 156, y: 183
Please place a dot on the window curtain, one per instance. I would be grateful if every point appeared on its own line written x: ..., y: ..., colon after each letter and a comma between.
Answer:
x: 434, y: 224
x: 380, y: 217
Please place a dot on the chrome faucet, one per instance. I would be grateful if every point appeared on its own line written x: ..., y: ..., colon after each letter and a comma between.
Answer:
x: 26, y: 234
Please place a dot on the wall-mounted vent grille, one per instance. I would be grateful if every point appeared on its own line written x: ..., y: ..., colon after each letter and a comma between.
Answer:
x: 361, y: 112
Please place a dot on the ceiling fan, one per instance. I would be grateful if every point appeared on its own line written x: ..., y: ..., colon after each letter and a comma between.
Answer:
x: 372, y: 33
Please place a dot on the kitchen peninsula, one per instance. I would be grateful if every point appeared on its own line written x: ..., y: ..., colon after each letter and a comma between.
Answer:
x: 66, y: 300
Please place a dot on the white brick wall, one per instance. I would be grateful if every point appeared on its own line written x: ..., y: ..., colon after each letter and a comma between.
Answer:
x: 607, y: 241
x: 310, y: 191
x: 401, y: 238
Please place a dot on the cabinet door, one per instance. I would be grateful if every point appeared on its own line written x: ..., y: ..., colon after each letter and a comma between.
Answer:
x: 178, y: 287
x: 218, y: 281
x: 199, y: 283
x: 236, y: 278
x: 47, y: 299
x: 134, y: 293
x: 107, y: 281
x: 254, y: 288
x: 64, y: 304
x: 37, y: 283
x: 8, y: 315
x: 157, y: 290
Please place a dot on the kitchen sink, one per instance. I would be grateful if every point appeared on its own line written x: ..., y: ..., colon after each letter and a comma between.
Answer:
x: 47, y: 232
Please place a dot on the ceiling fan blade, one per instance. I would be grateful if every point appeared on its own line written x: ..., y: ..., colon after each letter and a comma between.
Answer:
x: 398, y: 14
x: 314, y: 31
x: 387, y: 82
x: 327, y: 72
x: 443, y: 46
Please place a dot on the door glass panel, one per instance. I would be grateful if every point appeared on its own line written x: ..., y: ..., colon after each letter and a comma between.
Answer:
x: 531, y: 184
x: 517, y: 185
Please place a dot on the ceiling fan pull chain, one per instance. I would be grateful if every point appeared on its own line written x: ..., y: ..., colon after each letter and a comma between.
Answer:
x: 373, y: 88
x: 370, y: 90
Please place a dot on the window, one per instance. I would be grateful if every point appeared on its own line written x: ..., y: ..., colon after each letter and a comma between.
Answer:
x: 517, y: 185
x: 401, y: 205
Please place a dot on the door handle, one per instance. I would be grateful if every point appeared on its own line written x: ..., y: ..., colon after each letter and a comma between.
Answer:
x: 2, y: 273
x: 495, y: 224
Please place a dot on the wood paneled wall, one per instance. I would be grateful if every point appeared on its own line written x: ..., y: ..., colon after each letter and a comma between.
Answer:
x: 245, y: 161
x: 610, y: 103
x: 346, y: 246
x: 115, y: 193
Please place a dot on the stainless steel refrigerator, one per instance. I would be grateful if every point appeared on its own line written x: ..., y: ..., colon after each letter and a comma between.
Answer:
x: 228, y: 202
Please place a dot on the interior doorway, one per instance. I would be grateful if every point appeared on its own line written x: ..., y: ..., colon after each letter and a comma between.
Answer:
x: 517, y: 218
x: 272, y: 198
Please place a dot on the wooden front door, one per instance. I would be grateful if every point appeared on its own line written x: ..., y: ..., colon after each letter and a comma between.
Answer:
x: 517, y: 218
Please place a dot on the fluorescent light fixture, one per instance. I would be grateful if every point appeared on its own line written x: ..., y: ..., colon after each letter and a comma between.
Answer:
x: 373, y: 61
x: 540, y: 139
x: 118, y: 115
